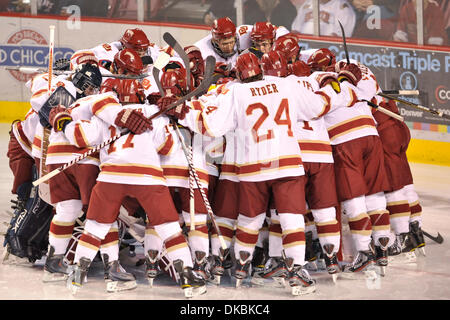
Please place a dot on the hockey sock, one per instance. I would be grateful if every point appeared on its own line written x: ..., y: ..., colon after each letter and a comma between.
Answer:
x: 379, y: 216
x: 399, y: 211
x: 152, y: 241
x: 275, y: 235
x: 88, y: 246
x: 328, y: 228
x: 176, y: 245
x: 226, y: 228
x: 293, y: 228
x: 63, y: 222
x: 359, y: 222
x: 414, y: 204
x: 199, y: 237
x: 247, y: 233
x: 110, y: 245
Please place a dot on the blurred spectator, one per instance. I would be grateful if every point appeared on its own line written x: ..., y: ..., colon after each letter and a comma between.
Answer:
x: 376, y: 18
x: 283, y: 14
x: 4, y: 5
x: 219, y: 9
x: 331, y: 12
x: 256, y: 11
x: 89, y: 8
x: 47, y: 6
x: 433, y: 23
x: 445, y: 7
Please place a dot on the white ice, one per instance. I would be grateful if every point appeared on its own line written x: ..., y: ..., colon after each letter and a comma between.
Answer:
x: 428, y: 279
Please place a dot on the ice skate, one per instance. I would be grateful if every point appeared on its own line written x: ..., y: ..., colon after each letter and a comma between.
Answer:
x: 191, y: 282
x: 381, y: 254
x: 200, y: 264
x: 116, y: 277
x: 361, y: 268
x: 417, y: 233
x: 300, y: 281
x: 220, y: 263
x: 331, y: 263
x: 242, y: 267
x: 55, y: 268
x: 78, y: 275
x: 320, y: 257
x: 258, y: 263
x: 275, y: 269
x: 403, y: 249
x: 151, y: 265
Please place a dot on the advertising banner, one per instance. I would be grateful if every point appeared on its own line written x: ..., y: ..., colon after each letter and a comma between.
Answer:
x: 403, y: 69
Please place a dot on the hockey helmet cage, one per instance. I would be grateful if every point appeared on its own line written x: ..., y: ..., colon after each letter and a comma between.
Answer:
x: 85, y: 76
x: 247, y: 66
x: 274, y: 64
x: 129, y: 60
x: 321, y: 59
x: 135, y: 39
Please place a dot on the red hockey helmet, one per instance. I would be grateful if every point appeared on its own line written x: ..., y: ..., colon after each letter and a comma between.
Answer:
x: 196, y: 62
x: 129, y: 61
x: 263, y: 31
x: 175, y: 81
x: 223, y: 28
x: 288, y: 46
x: 321, y: 59
x: 274, y: 64
x: 247, y: 66
x: 127, y: 90
x: 135, y: 39
x: 299, y: 68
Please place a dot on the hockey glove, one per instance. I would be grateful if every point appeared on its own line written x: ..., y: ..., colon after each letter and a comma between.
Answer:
x: 350, y: 73
x: 325, y: 79
x: 178, y: 112
x: 152, y: 98
x: 59, y: 117
x: 133, y: 120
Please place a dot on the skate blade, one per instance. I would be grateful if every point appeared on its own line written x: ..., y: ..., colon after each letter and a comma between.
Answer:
x: 300, y: 290
x: 150, y: 282
x: 422, y: 251
x: 239, y: 282
x: 334, y: 277
x: 118, y: 286
x: 73, y: 287
x: 368, y: 273
x: 381, y: 270
x: 54, y: 277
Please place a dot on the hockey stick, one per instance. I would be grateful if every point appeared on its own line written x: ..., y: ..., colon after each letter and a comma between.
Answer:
x: 344, y: 42
x: 402, y: 92
x: 417, y: 106
x: 211, y: 62
x: 31, y: 70
x: 178, y: 49
x: 385, y: 111
x: 437, y: 239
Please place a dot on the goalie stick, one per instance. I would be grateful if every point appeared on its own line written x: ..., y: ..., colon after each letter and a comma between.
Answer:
x: 210, y: 64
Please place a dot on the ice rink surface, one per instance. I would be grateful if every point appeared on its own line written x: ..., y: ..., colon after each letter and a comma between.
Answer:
x: 428, y: 279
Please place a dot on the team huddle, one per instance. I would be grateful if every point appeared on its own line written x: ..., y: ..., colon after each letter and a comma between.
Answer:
x: 241, y: 153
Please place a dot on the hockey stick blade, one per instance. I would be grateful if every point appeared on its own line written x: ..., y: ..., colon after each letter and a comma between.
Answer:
x: 172, y: 42
x: 437, y: 239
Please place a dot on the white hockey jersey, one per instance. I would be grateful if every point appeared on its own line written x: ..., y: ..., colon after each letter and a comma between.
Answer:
x: 131, y: 159
x: 330, y: 14
x: 25, y: 130
x: 105, y: 106
x: 356, y: 122
x: 263, y: 114
x: 206, y: 48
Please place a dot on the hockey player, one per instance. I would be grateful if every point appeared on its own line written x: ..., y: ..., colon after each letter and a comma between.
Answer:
x: 395, y: 137
x: 222, y: 43
x: 360, y: 177
x: 143, y: 180
x: 259, y: 37
x: 176, y: 170
x: 268, y: 155
x: 320, y: 188
x: 288, y: 46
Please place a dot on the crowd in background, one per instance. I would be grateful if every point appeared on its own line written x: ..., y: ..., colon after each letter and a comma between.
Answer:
x: 367, y: 19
